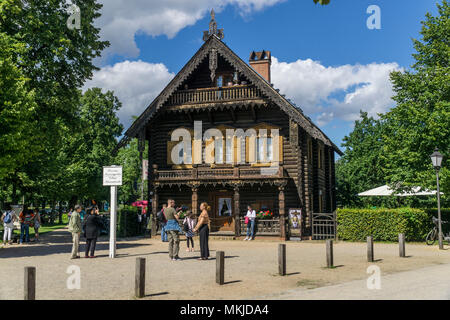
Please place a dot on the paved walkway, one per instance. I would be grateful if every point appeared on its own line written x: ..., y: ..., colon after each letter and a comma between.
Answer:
x: 250, y: 271
x: 429, y: 283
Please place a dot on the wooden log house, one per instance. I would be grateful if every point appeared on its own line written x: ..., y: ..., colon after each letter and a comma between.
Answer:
x: 219, y: 89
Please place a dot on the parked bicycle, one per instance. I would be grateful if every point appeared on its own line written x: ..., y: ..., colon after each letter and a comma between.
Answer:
x: 432, y: 236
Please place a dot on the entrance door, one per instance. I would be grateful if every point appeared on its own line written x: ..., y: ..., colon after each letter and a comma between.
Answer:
x: 222, y: 215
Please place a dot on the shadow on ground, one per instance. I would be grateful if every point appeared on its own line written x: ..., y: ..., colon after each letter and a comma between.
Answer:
x: 58, y: 242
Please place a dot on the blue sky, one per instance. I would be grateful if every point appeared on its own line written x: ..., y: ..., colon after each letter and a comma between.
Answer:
x: 326, y: 59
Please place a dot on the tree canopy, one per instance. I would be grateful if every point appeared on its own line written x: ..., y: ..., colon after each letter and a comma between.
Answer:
x: 396, y: 148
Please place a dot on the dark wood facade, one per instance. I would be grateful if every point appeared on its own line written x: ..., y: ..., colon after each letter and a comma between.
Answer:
x: 219, y: 89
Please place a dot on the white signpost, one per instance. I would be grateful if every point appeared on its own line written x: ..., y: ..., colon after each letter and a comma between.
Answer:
x: 112, y: 177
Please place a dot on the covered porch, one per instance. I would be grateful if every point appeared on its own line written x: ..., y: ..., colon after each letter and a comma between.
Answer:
x: 228, y: 191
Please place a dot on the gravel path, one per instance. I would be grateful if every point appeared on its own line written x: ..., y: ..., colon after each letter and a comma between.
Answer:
x: 250, y: 268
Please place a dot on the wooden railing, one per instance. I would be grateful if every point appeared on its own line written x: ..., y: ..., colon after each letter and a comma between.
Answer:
x: 263, y: 227
x: 238, y: 92
x: 216, y: 173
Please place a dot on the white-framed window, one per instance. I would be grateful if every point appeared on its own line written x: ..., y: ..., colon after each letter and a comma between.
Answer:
x: 264, y: 148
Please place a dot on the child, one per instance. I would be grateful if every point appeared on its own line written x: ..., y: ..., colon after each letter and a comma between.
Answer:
x: 189, y: 223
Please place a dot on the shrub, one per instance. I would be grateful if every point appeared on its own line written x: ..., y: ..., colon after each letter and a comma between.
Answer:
x: 382, y: 224
x: 445, y: 213
x: 445, y: 216
x: 128, y: 221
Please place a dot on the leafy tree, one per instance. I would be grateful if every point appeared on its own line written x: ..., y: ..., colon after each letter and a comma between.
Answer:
x: 17, y: 107
x: 421, y: 119
x: 128, y: 158
x: 322, y: 2
x: 360, y: 168
x: 96, y: 140
x: 56, y: 63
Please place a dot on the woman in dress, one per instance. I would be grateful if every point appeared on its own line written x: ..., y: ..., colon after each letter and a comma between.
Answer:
x: 203, y: 230
x: 37, y: 224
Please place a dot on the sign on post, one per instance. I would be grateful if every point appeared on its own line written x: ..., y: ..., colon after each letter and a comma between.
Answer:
x: 112, y: 177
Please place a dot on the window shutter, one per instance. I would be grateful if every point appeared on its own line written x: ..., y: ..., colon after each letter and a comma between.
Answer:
x: 209, y: 151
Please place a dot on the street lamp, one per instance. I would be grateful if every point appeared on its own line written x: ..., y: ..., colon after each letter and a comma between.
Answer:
x: 436, y: 159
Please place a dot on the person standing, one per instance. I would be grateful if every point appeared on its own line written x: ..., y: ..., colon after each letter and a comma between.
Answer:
x: 251, y: 217
x: 75, y: 229
x: 173, y: 230
x: 25, y: 218
x: 189, y: 223
x: 203, y: 230
x: 37, y: 224
x: 162, y: 222
x: 92, y: 225
x: 8, y: 219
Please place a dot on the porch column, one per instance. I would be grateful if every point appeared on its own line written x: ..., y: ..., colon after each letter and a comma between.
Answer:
x: 155, y: 199
x: 195, y: 200
x: 281, y: 211
x: 237, y: 216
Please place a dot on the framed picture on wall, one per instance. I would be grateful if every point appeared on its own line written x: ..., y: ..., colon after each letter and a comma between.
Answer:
x: 224, y: 207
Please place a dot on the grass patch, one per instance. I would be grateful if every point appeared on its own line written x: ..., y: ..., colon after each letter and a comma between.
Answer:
x: 45, y: 228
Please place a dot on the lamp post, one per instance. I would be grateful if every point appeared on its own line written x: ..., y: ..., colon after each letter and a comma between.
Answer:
x: 436, y: 159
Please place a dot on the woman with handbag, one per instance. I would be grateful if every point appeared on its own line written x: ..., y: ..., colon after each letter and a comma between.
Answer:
x: 203, y: 230
x: 188, y: 226
x: 250, y: 222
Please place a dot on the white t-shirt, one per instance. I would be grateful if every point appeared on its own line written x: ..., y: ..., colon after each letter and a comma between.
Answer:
x: 251, y: 214
x: 11, y: 223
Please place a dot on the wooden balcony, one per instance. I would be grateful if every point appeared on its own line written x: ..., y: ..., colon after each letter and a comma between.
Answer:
x: 207, y: 173
x: 209, y: 95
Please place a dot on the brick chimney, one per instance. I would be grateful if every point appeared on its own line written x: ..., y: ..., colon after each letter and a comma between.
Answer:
x: 260, y: 62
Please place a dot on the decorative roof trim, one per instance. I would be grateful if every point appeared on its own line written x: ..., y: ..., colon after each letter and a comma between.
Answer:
x: 214, y: 43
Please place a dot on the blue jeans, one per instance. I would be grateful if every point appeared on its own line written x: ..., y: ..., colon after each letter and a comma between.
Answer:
x: 163, y: 232
x: 24, y: 228
x: 251, y: 229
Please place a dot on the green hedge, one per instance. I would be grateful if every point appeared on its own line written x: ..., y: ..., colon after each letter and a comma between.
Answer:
x: 128, y: 221
x: 383, y: 224
x: 445, y: 213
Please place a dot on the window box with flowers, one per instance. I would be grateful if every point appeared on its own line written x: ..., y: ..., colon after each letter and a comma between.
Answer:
x: 265, y: 215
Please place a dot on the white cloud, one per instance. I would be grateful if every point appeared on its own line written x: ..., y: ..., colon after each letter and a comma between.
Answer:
x: 335, y: 92
x: 122, y: 19
x: 324, y: 93
x: 135, y: 83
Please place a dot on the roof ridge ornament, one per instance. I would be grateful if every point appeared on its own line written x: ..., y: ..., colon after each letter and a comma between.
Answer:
x: 213, y: 28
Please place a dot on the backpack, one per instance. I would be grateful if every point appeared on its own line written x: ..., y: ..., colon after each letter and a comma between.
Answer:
x: 160, y: 216
x: 8, y: 217
x: 186, y: 226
